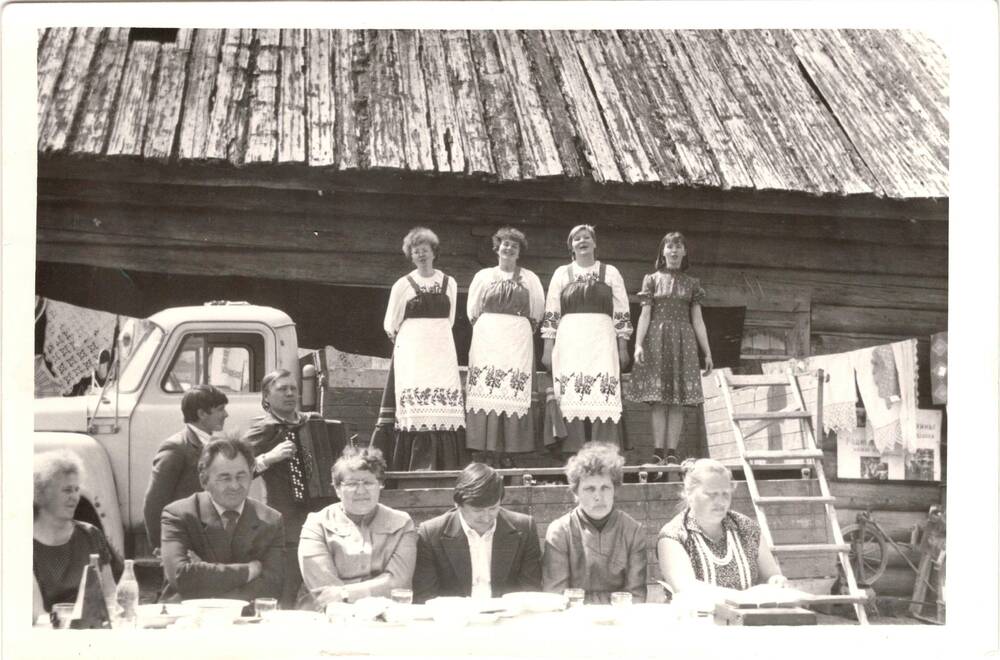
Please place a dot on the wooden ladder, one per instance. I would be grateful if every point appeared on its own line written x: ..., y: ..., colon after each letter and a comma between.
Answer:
x: 809, y: 455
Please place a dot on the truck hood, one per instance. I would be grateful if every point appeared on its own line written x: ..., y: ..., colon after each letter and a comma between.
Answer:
x: 63, y: 413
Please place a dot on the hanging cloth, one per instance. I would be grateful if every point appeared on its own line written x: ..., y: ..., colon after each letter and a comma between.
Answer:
x: 840, y: 398
x: 74, y: 337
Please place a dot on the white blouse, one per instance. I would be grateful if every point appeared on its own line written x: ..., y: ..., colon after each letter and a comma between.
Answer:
x: 561, y: 278
x: 402, y: 293
x: 485, y: 277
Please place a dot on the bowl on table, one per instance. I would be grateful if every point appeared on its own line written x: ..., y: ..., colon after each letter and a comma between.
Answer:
x: 216, y: 611
x: 161, y: 615
x: 453, y: 611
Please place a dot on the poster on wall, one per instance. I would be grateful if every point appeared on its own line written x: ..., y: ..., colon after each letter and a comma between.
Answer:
x: 858, y: 458
x: 924, y: 462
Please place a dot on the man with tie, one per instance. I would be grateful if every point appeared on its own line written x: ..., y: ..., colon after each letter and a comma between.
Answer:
x: 219, y: 543
x: 175, y: 466
x: 477, y: 549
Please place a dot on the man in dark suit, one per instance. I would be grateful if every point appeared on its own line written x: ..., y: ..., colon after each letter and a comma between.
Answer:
x: 478, y: 548
x: 175, y: 466
x: 219, y: 543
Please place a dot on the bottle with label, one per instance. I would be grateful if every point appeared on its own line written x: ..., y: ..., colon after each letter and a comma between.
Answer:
x: 127, y: 598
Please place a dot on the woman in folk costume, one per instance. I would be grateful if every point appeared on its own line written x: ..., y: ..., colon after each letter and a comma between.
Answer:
x: 423, y: 395
x: 505, y: 305
x: 586, y: 330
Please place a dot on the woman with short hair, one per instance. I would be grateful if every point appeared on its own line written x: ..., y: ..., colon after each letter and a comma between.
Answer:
x: 595, y: 547
x: 356, y: 547
x: 707, y: 543
x: 585, y: 331
x: 505, y: 305
x: 422, y: 417
x: 61, y: 545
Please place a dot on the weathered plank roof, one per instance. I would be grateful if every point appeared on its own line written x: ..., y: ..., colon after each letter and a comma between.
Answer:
x: 839, y: 112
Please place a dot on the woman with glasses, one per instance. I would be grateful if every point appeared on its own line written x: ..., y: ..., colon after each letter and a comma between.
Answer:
x: 356, y: 547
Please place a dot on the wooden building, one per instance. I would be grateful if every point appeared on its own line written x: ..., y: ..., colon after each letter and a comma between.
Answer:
x: 808, y: 169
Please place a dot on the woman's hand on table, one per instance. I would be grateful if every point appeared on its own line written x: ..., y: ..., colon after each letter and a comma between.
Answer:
x: 778, y: 581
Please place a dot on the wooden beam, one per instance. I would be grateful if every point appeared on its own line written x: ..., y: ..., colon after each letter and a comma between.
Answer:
x: 413, y: 94
x: 321, y: 109
x: 262, y: 131
x: 630, y: 154
x: 51, y: 61
x: 347, y: 130
x: 583, y: 108
x: 549, y: 93
x: 291, y: 176
x: 447, y: 146
x: 621, y: 247
x: 498, y: 113
x: 57, y: 108
x: 134, y: 99
x: 886, y: 321
x: 291, y: 118
x: 168, y: 96
x: 537, y: 143
x: 468, y: 104
x: 227, y: 123
x: 385, y: 136
x: 92, y: 128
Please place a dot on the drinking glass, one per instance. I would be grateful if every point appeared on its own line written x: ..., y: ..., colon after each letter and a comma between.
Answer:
x: 575, y: 596
x: 621, y: 598
x: 62, y: 613
x: 264, y: 606
x: 401, y: 596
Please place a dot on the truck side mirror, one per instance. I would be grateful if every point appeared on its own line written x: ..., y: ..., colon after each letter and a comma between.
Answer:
x: 103, y: 367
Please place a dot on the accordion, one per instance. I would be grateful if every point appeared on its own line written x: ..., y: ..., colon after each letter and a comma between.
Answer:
x: 321, y: 441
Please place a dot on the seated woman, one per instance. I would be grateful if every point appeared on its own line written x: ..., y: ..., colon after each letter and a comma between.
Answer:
x: 356, y: 547
x: 707, y: 544
x: 62, y: 546
x: 595, y: 547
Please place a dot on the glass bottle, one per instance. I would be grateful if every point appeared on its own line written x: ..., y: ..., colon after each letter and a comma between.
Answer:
x: 127, y: 597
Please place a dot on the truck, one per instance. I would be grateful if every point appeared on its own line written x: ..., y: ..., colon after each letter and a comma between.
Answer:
x: 116, y: 431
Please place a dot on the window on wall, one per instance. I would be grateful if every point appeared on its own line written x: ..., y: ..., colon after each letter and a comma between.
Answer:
x: 775, y: 327
x: 233, y: 362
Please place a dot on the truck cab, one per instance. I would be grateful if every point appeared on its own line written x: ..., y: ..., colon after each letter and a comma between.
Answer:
x: 117, y: 431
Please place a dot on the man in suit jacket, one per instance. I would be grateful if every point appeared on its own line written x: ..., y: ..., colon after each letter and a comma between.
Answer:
x: 478, y: 548
x: 219, y: 543
x: 175, y: 466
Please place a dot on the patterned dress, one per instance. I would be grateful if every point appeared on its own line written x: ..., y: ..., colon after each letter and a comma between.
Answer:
x: 503, y: 308
x: 423, y: 394
x: 670, y: 373
x: 586, y: 311
x: 730, y: 562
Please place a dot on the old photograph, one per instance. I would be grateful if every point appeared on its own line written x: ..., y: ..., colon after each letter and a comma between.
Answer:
x: 438, y: 341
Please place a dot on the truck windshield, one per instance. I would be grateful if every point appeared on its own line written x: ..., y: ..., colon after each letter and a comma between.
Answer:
x: 139, y: 359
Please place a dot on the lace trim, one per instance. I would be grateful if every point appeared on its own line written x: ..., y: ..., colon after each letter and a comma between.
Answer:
x: 840, y: 417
